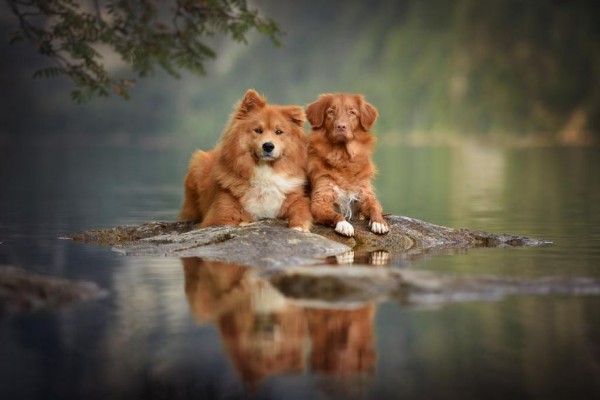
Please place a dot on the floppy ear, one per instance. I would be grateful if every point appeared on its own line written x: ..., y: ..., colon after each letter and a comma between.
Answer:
x: 251, y: 101
x: 315, y: 112
x: 368, y: 113
x: 295, y: 114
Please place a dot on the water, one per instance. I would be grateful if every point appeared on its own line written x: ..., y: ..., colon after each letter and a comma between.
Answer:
x: 173, y: 328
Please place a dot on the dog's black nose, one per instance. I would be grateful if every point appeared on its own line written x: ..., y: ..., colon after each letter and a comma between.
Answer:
x: 268, y: 147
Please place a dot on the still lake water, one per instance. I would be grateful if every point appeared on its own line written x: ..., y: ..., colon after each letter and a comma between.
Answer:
x: 187, y: 329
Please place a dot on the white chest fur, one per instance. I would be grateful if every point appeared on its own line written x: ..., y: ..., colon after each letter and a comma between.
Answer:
x: 347, y: 201
x: 267, y: 192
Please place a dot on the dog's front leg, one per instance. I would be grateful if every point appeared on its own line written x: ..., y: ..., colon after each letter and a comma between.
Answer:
x: 322, y: 206
x: 371, y: 208
x: 296, y: 208
x: 226, y: 209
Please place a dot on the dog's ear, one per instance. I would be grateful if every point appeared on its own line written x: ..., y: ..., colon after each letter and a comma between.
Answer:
x: 315, y: 112
x: 368, y: 113
x: 251, y: 101
x: 295, y: 114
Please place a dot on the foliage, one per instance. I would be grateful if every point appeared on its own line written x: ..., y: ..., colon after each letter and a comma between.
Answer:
x: 511, y: 71
x: 144, y: 33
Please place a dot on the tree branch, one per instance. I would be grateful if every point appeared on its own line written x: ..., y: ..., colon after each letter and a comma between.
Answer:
x: 67, y: 34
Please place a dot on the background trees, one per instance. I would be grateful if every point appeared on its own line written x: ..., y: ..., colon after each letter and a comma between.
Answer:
x: 500, y: 69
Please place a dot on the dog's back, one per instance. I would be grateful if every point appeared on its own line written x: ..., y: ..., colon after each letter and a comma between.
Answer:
x: 199, y: 179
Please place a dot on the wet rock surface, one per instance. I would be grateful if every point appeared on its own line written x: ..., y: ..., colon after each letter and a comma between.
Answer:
x: 354, y: 285
x: 356, y: 270
x: 259, y: 245
x: 412, y: 234
x: 182, y: 239
x: 129, y: 234
x: 21, y: 291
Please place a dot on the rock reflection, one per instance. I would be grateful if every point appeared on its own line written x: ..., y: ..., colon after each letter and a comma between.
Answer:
x: 264, y: 333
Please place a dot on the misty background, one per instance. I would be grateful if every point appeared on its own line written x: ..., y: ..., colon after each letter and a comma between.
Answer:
x: 501, y: 71
x: 489, y: 112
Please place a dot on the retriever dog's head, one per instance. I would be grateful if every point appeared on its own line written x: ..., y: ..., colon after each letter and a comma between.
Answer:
x: 341, y: 115
x: 268, y: 132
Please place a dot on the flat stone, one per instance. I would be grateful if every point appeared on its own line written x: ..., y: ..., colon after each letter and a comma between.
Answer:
x: 22, y: 291
x: 260, y: 245
x: 355, y: 285
x: 270, y: 243
x: 129, y: 234
x: 359, y: 274
x: 413, y: 234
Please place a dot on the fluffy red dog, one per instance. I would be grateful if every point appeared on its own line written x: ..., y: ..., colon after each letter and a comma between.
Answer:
x: 339, y: 162
x: 256, y: 171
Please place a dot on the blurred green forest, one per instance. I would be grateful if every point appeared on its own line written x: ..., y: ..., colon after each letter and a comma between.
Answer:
x: 437, y: 70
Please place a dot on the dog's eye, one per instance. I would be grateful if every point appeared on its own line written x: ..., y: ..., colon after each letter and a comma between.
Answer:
x: 331, y: 112
x: 352, y: 112
x: 278, y: 132
x: 258, y: 130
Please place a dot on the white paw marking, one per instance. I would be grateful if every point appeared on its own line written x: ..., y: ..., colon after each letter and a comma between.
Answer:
x: 344, y: 228
x: 379, y: 257
x: 300, y: 229
x: 378, y: 227
x: 345, y: 258
x: 243, y: 223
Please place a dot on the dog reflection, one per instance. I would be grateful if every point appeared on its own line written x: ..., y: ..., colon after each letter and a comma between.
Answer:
x: 342, y: 340
x: 375, y: 258
x: 264, y: 333
x: 261, y: 331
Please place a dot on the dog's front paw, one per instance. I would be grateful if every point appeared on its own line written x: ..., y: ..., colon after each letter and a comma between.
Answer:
x: 344, y: 228
x: 300, y: 228
x: 379, y: 228
x: 246, y: 223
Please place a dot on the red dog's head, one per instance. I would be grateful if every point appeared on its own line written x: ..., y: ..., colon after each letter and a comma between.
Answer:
x: 266, y: 131
x: 342, y: 115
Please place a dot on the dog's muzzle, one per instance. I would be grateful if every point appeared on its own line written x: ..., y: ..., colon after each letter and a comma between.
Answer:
x: 267, y: 150
x: 268, y: 147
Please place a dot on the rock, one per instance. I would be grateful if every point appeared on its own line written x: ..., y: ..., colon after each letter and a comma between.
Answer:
x: 355, y: 285
x: 342, y: 285
x: 292, y: 261
x: 413, y: 234
x: 261, y: 245
x: 129, y: 234
x: 270, y: 243
x: 21, y: 290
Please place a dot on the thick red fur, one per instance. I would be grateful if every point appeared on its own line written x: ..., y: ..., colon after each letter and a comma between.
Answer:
x: 258, y: 170
x: 340, y: 168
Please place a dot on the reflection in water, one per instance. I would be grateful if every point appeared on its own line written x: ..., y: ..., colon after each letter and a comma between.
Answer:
x: 265, y: 334
x: 384, y: 257
x: 140, y: 343
x: 262, y: 332
x: 379, y: 257
x: 478, y: 178
x: 342, y: 340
